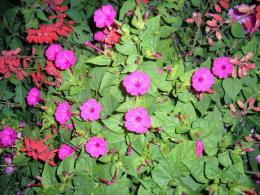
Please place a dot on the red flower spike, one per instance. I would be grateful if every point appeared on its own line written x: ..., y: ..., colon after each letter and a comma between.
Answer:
x: 53, y: 71
x: 38, y: 150
x: 38, y: 78
x: 217, y: 8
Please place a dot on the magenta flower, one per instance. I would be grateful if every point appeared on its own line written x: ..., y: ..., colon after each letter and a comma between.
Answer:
x: 137, y: 83
x: 9, y: 170
x: 99, y: 36
x: 90, y: 110
x: 52, y: 51
x: 7, y: 137
x: 202, y: 80
x: 247, y: 20
x: 63, y: 113
x: 199, y: 148
x: 33, y: 96
x: 65, y: 151
x: 96, y: 146
x: 258, y: 158
x: 137, y: 120
x: 104, y: 16
x: 65, y: 59
x: 222, y: 67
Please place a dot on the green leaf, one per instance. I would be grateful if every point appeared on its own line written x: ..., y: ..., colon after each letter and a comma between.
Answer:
x: 101, y: 60
x: 75, y: 15
x: 128, y: 5
x: 66, y: 168
x: 84, y: 164
x: 48, y: 176
x: 232, y: 87
x: 211, y: 168
x: 195, y: 3
x: 114, y: 123
x: 237, y: 30
x: 127, y: 48
x: 225, y: 159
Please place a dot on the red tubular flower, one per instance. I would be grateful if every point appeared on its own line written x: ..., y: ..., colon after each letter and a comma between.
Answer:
x: 143, y: 1
x: 38, y: 78
x: 53, y: 71
x: 38, y: 150
x: 112, y: 36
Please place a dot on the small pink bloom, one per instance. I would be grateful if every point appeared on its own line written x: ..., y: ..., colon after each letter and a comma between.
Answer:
x: 222, y: 67
x: 137, y: 83
x: 99, y: 36
x: 70, y: 126
x: 104, y: 16
x: 9, y: 170
x: 63, y: 113
x: 7, y: 137
x: 202, y: 80
x: 65, y: 151
x: 33, y: 96
x: 137, y: 120
x: 96, y: 146
x: 52, y: 51
x: 8, y: 159
x: 199, y: 148
x: 90, y: 110
x: 258, y: 158
x: 65, y: 59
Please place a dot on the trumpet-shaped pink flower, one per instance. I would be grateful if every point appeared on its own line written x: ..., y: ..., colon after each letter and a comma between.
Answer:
x: 90, y: 110
x: 96, y: 146
x: 222, y: 67
x: 52, y: 51
x: 104, y: 16
x: 258, y: 158
x: 33, y: 96
x: 202, y: 80
x: 137, y: 83
x: 65, y: 151
x: 137, y: 120
x: 63, y: 113
x: 199, y: 148
x: 65, y: 59
x: 7, y: 137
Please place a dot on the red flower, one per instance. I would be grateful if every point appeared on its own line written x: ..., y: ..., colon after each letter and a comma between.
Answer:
x: 143, y: 1
x: 38, y: 150
x: 53, y: 71
x: 38, y: 78
x: 112, y: 36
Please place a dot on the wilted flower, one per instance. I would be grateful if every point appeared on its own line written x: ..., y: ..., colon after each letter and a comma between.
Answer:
x: 137, y: 83
x: 96, y: 146
x: 202, y: 80
x: 137, y: 120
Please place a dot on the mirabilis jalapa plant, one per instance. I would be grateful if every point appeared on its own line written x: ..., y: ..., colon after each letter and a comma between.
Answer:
x: 137, y: 110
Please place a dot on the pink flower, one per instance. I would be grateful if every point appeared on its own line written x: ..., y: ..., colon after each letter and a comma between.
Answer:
x: 63, y: 113
x: 104, y: 16
x: 52, y: 51
x: 96, y: 146
x: 70, y: 126
x: 65, y: 151
x: 90, y: 110
x: 33, y: 96
x: 222, y: 67
x: 8, y: 159
x: 137, y: 83
x: 9, y: 170
x: 65, y: 59
x: 202, y: 80
x: 137, y: 120
x: 199, y: 148
x: 7, y: 137
x: 100, y: 36
x: 258, y: 158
